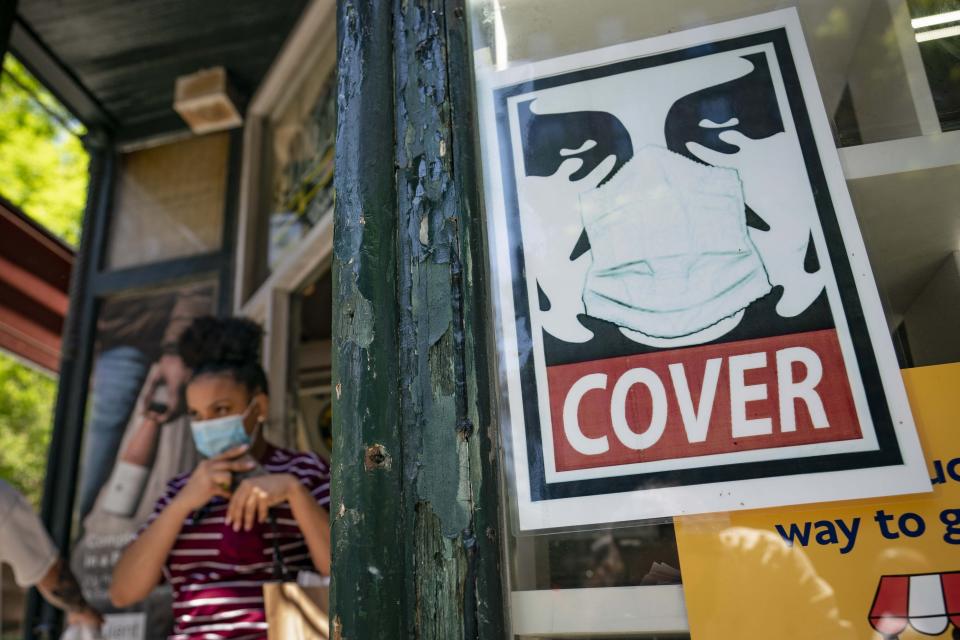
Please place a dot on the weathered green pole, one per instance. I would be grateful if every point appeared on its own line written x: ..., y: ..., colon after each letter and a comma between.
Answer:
x: 415, y: 504
x: 367, y: 516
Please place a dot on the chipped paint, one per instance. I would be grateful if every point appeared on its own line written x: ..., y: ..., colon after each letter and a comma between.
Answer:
x: 356, y: 317
x: 412, y: 425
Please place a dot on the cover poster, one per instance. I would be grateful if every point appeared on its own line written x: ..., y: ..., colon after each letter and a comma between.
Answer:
x: 687, y: 318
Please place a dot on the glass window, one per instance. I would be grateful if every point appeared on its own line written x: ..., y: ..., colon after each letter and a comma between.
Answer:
x: 128, y: 454
x: 849, y: 43
x: 937, y: 27
x: 169, y: 201
x: 26, y: 417
x: 299, y: 175
x: 888, y: 86
x: 310, y: 356
x: 43, y: 164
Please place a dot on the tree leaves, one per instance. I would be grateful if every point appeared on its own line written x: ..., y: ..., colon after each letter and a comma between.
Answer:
x: 43, y: 170
x: 26, y: 414
x: 43, y: 164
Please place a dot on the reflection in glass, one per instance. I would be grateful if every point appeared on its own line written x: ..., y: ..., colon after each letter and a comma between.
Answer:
x: 310, y: 352
x: 936, y: 24
x: 301, y: 191
x: 868, y: 65
x: 881, y: 81
x: 642, y: 555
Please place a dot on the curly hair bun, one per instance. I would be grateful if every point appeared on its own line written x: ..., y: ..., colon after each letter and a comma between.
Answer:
x: 216, y: 342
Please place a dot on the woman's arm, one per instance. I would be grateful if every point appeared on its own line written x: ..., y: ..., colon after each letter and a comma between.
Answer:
x: 314, y: 522
x: 60, y: 589
x: 143, y: 443
x: 141, y: 565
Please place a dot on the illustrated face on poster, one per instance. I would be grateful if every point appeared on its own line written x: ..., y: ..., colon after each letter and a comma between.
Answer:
x: 683, y: 293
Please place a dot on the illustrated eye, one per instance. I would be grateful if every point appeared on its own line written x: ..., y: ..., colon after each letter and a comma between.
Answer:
x: 706, y: 123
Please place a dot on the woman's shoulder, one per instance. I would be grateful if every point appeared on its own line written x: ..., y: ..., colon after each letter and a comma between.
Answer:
x: 173, y: 487
x: 177, y: 482
x: 282, y: 460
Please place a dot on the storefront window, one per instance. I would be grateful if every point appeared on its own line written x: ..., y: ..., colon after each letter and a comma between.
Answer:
x: 884, y: 87
x: 169, y: 202
x: 301, y: 149
x: 43, y: 165
x: 310, y: 358
x: 935, y: 23
x: 286, y: 192
x: 137, y: 437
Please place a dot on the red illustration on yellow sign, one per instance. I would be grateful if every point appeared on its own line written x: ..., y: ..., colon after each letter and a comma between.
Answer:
x: 864, y: 569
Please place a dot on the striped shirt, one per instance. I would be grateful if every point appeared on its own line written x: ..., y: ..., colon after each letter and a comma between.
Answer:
x: 217, y: 574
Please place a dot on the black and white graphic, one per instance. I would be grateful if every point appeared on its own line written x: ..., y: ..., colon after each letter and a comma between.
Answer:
x: 671, y: 160
x: 686, y: 316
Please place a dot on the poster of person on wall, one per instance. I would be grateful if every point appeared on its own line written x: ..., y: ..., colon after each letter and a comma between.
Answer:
x: 687, y: 318
x: 137, y: 437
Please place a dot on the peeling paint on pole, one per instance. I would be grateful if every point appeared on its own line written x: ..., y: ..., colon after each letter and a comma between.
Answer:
x: 356, y: 316
x: 366, y: 530
x: 426, y: 443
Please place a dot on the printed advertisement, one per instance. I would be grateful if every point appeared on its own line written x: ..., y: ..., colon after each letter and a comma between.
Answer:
x: 687, y: 319
x: 137, y: 437
x: 858, y: 570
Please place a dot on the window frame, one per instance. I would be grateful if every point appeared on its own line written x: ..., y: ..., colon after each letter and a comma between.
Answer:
x: 311, y: 48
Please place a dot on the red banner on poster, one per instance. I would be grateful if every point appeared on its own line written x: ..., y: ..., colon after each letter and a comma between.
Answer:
x: 723, y: 398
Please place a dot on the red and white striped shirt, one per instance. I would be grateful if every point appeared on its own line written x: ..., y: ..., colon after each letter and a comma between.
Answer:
x: 217, y: 574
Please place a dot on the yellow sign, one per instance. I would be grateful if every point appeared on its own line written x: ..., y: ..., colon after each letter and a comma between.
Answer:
x: 864, y: 569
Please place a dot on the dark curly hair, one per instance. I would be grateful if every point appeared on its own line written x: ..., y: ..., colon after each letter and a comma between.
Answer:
x: 225, y: 346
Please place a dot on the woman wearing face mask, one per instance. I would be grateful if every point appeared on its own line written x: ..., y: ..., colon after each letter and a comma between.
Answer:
x: 215, y: 533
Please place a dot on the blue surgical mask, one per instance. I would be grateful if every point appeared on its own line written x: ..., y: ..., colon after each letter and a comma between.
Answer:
x: 213, y: 437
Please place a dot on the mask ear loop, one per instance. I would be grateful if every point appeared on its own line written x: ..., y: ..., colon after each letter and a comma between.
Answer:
x: 260, y: 422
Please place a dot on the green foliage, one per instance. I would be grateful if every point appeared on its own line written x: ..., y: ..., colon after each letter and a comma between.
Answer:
x: 43, y: 165
x: 26, y: 416
x: 43, y: 170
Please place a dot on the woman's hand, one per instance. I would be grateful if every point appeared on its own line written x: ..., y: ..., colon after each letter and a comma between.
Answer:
x: 213, y: 477
x: 252, y: 500
x: 170, y: 371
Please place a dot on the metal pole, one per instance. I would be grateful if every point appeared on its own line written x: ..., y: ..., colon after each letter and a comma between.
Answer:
x: 416, y: 504
x: 43, y: 620
x: 369, y: 559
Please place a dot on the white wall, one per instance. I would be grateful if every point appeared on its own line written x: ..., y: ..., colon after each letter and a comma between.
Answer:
x: 933, y: 321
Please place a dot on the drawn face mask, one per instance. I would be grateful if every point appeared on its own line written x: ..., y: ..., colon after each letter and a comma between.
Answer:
x: 213, y: 437
x: 670, y: 248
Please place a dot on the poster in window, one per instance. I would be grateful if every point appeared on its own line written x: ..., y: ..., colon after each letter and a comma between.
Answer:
x: 136, y: 438
x: 687, y: 319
